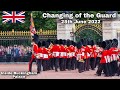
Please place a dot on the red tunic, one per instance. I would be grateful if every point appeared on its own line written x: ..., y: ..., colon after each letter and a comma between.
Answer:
x: 103, y: 58
x: 87, y: 52
x: 63, y: 53
x: 45, y: 53
x: 79, y: 54
x: 35, y: 50
x: 93, y: 52
x: 70, y: 49
x: 55, y: 50
x: 40, y: 55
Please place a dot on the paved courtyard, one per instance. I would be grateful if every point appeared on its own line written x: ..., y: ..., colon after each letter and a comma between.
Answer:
x: 73, y: 74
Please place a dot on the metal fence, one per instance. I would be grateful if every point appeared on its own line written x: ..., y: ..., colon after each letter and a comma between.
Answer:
x: 23, y: 37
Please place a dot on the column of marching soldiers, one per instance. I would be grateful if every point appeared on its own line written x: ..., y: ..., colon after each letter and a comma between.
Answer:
x: 62, y: 55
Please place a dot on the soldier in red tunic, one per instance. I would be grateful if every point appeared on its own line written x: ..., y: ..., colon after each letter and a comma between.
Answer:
x: 69, y: 55
x: 55, y: 50
x: 103, y: 66
x: 87, y: 55
x: 63, y: 55
x: 80, y: 57
x: 39, y: 57
x: 93, y: 55
x: 34, y: 51
x: 45, y: 53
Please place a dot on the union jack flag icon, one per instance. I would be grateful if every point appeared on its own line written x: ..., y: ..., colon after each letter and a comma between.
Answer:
x: 13, y: 16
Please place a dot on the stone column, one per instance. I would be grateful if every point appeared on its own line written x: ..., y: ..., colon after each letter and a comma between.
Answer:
x: 64, y: 30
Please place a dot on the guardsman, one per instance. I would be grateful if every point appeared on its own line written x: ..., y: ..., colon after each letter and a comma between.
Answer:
x: 99, y: 52
x: 55, y: 50
x: 103, y: 66
x: 51, y: 61
x: 45, y: 53
x: 39, y: 57
x: 80, y: 57
x: 72, y: 49
x: 62, y: 55
x: 114, y: 56
x: 93, y: 55
x: 65, y: 53
x: 34, y: 43
x: 87, y: 55
x: 69, y: 55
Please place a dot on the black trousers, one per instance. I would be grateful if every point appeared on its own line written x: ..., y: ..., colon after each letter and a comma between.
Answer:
x: 64, y: 65
x: 80, y: 66
x: 47, y: 64
x: 44, y: 64
x: 92, y: 63
x: 103, y: 67
x: 69, y: 63
x: 118, y: 71
x: 52, y: 63
x: 87, y: 64
x: 56, y: 64
x: 39, y: 63
x: 30, y: 64
x: 73, y: 63
x: 61, y: 63
x: 97, y: 61
x: 114, y: 66
x: 110, y: 69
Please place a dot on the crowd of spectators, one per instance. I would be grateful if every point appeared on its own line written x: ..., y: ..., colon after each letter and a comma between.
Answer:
x: 16, y: 53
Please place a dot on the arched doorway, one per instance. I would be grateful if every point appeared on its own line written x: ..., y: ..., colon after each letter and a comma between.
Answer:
x: 92, y: 31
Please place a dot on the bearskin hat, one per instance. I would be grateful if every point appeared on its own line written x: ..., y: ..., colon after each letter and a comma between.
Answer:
x: 43, y: 43
x: 39, y: 44
x: 85, y: 42
x: 108, y: 43
x: 68, y: 43
x: 60, y: 41
x: 92, y: 42
x: 79, y: 44
x: 103, y: 44
x: 35, y: 38
x: 55, y: 41
x: 64, y: 42
x: 47, y: 44
x: 49, y: 41
x: 75, y: 44
x: 115, y: 42
x: 82, y: 41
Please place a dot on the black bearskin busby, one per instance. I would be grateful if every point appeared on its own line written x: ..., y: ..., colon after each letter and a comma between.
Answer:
x: 92, y: 42
x: 60, y: 41
x: 39, y: 44
x: 79, y: 44
x: 35, y: 38
x: 68, y: 43
x: 43, y: 43
x: 115, y: 42
x: 103, y: 45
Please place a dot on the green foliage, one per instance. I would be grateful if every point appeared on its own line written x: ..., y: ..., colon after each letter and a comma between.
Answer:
x: 87, y: 33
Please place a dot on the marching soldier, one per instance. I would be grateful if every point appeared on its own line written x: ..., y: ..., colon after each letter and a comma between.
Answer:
x: 87, y: 55
x: 55, y: 50
x: 72, y: 48
x: 34, y: 50
x: 103, y: 66
x: 39, y: 57
x: 45, y: 53
x: 93, y: 55
x: 62, y: 55
x: 51, y: 61
x: 99, y: 52
x: 80, y: 57
x: 69, y: 55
